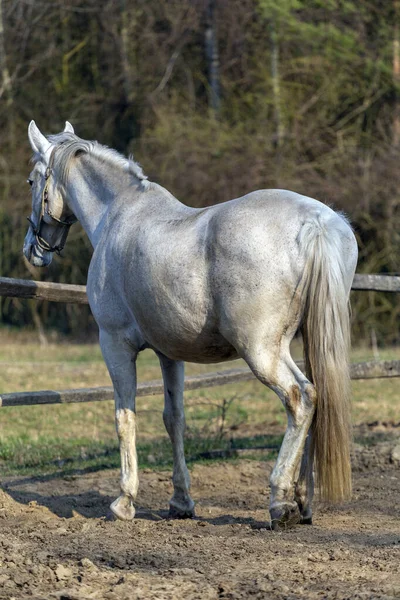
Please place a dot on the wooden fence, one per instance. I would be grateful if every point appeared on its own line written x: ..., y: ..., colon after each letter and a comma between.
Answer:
x: 57, y: 292
x: 61, y: 292
x: 364, y: 370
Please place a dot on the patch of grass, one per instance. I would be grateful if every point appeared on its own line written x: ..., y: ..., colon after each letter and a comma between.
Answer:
x: 47, y: 455
x: 373, y: 438
x: 21, y: 456
x: 84, y: 434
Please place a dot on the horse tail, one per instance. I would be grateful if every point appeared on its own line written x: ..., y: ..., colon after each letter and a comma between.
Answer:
x: 326, y: 335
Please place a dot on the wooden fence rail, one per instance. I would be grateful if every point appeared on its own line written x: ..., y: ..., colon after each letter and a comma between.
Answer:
x: 376, y: 283
x: 62, y: 292
x: 364, y: 370
x: 59, y: 292
x: 43, y: 290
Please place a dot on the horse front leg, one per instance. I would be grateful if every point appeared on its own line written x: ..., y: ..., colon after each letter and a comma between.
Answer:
x: 121, y: 363
x: 181, y: 504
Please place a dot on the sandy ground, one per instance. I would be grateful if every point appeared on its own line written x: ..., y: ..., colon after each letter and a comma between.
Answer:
x: 58, y: 541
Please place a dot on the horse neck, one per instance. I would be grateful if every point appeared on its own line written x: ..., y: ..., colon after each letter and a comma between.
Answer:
x: 92, y: 186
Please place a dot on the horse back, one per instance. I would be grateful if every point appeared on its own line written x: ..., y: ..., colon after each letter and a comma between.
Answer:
x: 188, y: 277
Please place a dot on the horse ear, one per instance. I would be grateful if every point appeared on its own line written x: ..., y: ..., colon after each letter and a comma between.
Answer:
x: 38, y: 142
x: 68, y: 127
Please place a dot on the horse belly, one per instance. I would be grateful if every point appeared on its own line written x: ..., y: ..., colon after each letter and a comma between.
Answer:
x: 201, y: 354
x: 211, y: 353
x: 205, y: 347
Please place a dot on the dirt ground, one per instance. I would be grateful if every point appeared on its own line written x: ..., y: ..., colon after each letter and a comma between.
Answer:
x: 57, y: 539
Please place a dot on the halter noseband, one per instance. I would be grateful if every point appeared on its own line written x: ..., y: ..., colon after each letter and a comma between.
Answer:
x: 45, y: 210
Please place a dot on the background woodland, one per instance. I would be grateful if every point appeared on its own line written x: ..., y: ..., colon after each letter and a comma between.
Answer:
x: 214, y: 98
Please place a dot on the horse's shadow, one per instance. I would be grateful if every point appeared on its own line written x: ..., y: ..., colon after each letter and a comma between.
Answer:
x: 92, y: 504
x: 89, y: 504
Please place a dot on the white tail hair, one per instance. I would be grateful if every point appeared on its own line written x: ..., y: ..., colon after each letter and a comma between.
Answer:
x: 326, y: 335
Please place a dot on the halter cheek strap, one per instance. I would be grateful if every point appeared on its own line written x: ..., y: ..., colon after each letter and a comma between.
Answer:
x: 45, y: 210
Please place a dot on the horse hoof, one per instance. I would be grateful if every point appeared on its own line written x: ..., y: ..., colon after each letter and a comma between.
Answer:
x: 284, y: 516
x: 180, y: 512
x: 306, y: 521
x: 306, y: 517
x: 123, y: 508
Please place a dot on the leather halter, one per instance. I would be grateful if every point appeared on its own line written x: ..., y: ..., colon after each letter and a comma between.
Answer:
x: 45, y: 210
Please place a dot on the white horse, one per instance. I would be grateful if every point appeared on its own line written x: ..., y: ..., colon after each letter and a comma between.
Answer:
x: 207, y: 285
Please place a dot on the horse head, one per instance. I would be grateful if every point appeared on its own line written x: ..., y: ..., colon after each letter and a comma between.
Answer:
x: 51, y: 217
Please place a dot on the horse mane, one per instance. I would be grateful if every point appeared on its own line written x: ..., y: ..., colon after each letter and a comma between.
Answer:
x: 70, y: 145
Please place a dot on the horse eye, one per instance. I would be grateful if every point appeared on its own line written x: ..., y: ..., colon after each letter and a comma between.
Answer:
x: 30, y: 181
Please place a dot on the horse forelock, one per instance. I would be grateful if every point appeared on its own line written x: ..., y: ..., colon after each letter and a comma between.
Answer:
x: 70, y: 145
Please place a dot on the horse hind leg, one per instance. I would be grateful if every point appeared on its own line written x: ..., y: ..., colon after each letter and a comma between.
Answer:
x: 304, y: 487
x: 279, y: 372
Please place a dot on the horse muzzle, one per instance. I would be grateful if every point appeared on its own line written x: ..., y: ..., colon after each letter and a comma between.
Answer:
x: 36, y: 256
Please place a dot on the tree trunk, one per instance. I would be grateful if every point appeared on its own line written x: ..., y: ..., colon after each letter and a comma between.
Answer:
x: 6, y: 85
x: 211, y: 47
x: 392, y: 202
x: 276, y: 88
x: 124, y: 45
x: 396, y: 75
x: 126, y: 117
